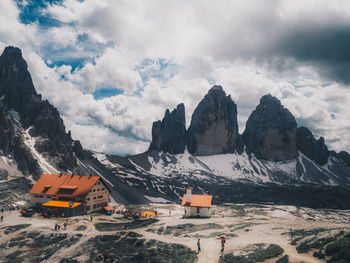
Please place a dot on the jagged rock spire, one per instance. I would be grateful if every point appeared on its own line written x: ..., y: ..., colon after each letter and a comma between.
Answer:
x: 270, y: 131
x: 314, y: 149
x: 214, y: 128
x: 169, y: 134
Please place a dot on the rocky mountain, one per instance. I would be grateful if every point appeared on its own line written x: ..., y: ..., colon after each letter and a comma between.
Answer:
x: 214, y: 128
x: 274, y: 161
x: 169, y: 135
x: 38, y: 117
x: 314, y: 149
x: 344, y: 156
x: 270, y: 131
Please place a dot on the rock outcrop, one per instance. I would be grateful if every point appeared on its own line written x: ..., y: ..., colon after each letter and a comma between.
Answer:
x: 11, y: 145
x: 18, y: 93
x: 345, y: 157
x: 214, y: 128
x: 270, y: 131
x: 169, y: 135
x: 314, y: 149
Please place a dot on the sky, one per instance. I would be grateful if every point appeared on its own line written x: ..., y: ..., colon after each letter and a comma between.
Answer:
x: 112, y: 67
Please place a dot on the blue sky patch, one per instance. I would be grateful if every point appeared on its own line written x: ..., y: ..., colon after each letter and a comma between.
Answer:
x: 106, y: 92
x: 31, y: 12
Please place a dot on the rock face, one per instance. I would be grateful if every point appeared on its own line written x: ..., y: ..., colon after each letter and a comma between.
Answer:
x: 345, y: 156
x: 214, y: 128
x: 11, y: 144
x: 18, y: 93
x: 169, y: 135
x: 270, y: 131
x: 314, y: 149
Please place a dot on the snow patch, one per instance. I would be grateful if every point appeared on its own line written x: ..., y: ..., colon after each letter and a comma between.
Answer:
x: 45, y: 166
x: 157, y: 199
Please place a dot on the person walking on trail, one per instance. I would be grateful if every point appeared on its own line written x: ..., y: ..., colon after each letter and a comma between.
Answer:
x: 91, y: 218
x: 223, y: 241
x: 65, y: 226
x: 199, y: 245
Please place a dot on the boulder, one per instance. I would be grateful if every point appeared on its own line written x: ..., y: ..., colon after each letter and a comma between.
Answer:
x: 270, y: 131
x: 214, y: 128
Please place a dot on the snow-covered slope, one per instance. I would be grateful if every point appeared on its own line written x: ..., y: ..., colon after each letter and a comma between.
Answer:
x: 162, y: 175
x: 229, y: 167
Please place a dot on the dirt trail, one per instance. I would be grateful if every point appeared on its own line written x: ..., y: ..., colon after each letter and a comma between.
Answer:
x: 210, y: 251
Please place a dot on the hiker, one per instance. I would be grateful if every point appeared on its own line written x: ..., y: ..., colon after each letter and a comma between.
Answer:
x: 55, y: 226
x: 169, y: 212
x: 2, y: 218
x: 58, y: 227
x: 199, y: 245
x: 223, y: 241
x: 91, y: 218
x: 65, y: 226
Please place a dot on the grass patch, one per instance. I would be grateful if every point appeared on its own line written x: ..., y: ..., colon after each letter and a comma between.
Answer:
x: 11, y: 229
x: 182, y: 229
x: 120, y: 226
x: 283, y: 259
x: 299, y: 234
x: 339, y: 251
x: 260, y: 254
x: 305, y: 246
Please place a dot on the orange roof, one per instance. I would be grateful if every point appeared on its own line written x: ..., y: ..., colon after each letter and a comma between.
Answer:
x: 198, y: 200
x: 64, y: 185
x: 108, y: 208
x: 66, y: 204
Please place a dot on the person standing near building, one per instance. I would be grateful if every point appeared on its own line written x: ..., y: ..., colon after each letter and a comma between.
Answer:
x: 199, y: 245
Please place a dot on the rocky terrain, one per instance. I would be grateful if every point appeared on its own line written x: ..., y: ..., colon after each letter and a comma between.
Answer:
x: 254, y: 233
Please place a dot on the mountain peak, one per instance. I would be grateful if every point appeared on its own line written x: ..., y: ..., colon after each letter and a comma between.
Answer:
x: 268, y: 99
x: 271, y: 130
x: 169, y: 134
x: 15, y: 79
x: 216, y: 88
x: 214, y: 128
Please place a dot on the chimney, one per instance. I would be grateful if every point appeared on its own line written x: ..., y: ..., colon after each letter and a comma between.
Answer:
x: 189, y: 194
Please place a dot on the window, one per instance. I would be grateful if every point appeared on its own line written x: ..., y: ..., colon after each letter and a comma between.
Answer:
x: 94, y: 206
x: 104, y: 204
x: 49, y: 196
x: 100, y: 196
x: 197, y: 210
x: 87, y: 199
x: 94, y: 190
x: 103, y: 188
x: 98, y: 189
x: 98, y: 183
x: 88, y: 207
x: 94, y: 197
